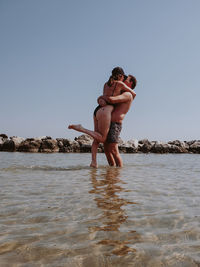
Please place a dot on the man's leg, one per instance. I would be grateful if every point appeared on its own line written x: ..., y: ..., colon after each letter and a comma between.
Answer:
x: 111, y: 145
x: 113, y: 148
x: 109, y: 156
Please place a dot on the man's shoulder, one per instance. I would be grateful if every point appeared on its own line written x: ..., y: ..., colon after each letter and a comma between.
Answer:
x: 128, y: 95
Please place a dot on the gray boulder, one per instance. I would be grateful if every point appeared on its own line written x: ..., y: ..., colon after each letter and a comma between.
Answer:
x: 175, y: 142
x: 189, y: 143
x: 183, y: 145
x: 144, y: 146
x: 85, y: 148
x: 122, y: 145
x: 8, y: 145
x: 177, y: 149
x: 11, y: 144
x: 170, y: 147
x: 75, y: 146
x: 134, y: 143
x: 160, y: 147
x: 49, y: 146
x: 130, y: 146
x: 30, y: 145
x: 64, y: 145
x: 4, y: 136
x: 195, y: 147
x: 67, y: 146
x: 84, y: 139
x: 41, y: 138
x: 85, y: 143
x: 63, y: 142
x: 122, y: 148
x: 1, y: 142
x: 17, y: 141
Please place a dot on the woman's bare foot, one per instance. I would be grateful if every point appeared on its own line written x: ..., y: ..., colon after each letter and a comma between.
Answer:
x: 76, y: 127
x: 93, y: 164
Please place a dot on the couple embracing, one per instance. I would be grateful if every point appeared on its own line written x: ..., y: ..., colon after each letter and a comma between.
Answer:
x: 115, y: 102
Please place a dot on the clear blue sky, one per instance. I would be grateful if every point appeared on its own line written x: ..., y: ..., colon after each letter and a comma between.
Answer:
x: 55, y: 56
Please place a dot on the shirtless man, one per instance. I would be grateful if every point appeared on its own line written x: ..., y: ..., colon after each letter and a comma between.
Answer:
x: 122, y: 105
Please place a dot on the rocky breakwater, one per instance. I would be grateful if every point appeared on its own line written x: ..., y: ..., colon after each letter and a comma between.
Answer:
x: 176, y: 146
x: 83, y: 143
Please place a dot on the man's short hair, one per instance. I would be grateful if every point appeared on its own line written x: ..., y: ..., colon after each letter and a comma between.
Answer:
x: 133, y: 80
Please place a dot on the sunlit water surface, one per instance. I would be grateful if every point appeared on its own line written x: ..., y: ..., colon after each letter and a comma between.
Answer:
x: 56, y: 211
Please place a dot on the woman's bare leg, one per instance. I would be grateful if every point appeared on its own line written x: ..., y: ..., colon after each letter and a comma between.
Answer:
x: 80, y: 128
x: 94, y: 150
x: 104, y: 119
x: 95, y: 146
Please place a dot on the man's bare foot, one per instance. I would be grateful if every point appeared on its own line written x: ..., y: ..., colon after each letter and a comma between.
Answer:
x: 76, y: 127
x: 93, y: 165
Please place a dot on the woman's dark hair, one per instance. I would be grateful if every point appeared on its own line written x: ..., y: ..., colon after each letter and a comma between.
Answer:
x: 117, y: 70
x: 114, y: 77
x: 110, y: 81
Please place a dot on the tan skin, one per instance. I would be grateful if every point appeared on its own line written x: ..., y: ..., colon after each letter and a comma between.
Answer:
x: 123, y: 103
x: 121, y: 111
x: 103, y: 116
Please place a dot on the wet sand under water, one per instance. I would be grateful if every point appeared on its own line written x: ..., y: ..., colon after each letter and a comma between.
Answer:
x: 56, y: 211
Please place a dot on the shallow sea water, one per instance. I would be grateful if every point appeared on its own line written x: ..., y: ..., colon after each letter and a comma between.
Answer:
x: 56, y: 211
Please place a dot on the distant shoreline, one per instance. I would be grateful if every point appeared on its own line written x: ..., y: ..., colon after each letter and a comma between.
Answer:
x: 83, y: 143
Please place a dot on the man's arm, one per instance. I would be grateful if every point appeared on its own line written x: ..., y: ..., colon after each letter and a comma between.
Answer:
x: 125, y: 88
x: 119, y: 99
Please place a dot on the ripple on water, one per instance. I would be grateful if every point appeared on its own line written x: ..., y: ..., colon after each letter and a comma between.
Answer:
x: 56, y: 211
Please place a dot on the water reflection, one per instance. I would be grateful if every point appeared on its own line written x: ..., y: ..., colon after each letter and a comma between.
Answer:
x: 107, y: 187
